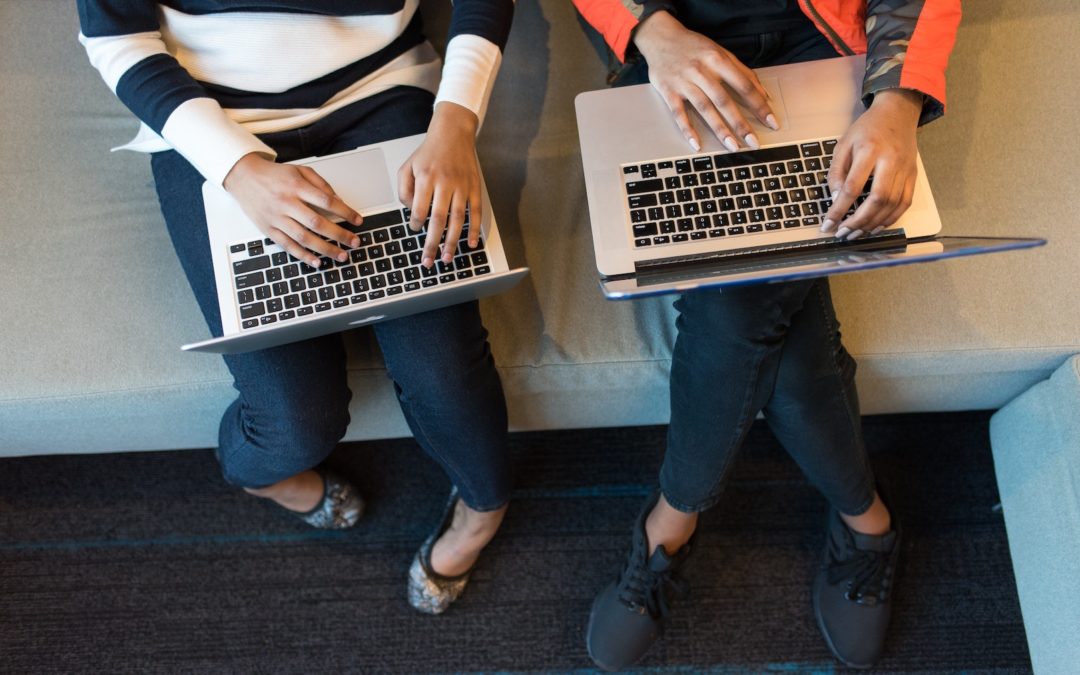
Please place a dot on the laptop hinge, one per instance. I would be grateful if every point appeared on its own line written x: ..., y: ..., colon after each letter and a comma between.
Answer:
x: 886, y: 239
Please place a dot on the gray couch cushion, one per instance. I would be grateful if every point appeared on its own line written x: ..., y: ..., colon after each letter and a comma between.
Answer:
x: 95, y: 305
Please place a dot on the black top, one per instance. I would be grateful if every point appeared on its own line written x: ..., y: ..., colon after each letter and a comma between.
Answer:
x: 731, y: 18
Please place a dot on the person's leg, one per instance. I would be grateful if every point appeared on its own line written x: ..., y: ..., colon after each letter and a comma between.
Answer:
x: 292, y: 404
x: 442, y: 369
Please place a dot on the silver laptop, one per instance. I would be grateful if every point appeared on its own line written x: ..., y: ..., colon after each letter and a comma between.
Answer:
x: 268, y: 298
x: 667, y: 220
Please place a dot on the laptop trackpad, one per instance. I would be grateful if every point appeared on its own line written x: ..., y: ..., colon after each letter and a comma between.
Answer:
x: 361, y: 179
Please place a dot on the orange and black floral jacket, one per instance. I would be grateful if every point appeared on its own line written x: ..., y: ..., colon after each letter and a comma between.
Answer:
x: 906, y: 42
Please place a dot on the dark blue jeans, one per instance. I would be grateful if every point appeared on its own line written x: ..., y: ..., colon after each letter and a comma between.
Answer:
x: 774, y: 348
x: 292, y: 407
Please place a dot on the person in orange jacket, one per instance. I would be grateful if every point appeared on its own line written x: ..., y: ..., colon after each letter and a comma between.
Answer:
x: 773, y: 348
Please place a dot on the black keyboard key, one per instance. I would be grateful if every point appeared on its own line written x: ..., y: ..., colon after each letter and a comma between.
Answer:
x: 667, y: 197
x: 275, y: 305
x: 412, y: 274
x: 666, y: 164
x: 237, y: 248
x: 792, y: 211
x: 481, y: 270
x: 268, y: 319
x: 343, y: 290
x: 648, y: 170
x: 402, y: 260
x: 702, y: 223
x: 642, y: 201
x: 326, y: 293
x: 251, y: 264
x: 645, y: 241
x: 774, y: 213
x: 377, y: 295
x: 280, y: 258
x: 410, y: 244
x: 811, y: 149
x: 708, y: 206
x: 255, y: 248
x: 332, y: 277
x: 395, y: 278
x: 700, y: 234
x: 684, y: 195
x: 791, y: 223
x: 322, y: 306
x: 813, y: 164
x: 399, y: 232
x: 429, y: 282
x: 413, y: 286
x: 682, y: 166
x: 393, y: 290
x: 309, y: 297
x: 757, y: 216
x: 672, y: 183
x: 744, y: 202
x: 656, y: 213
x: 795, y: 167
x: 667, y: 226
x: 772, y: 226
x: 720, y: 220
x: 645, y: 229
x: 628, y: 170
x: 304, y: 311
x: 716, y: 233
x: 291, y: 271
x: 725, y: 176
x: 754, y: 186
x: 777, y: 169
x: 280, y: 288
x: 252, y: 311
x: 764, y: 155
x: 812, y: 221
x: 382, y: 265
x: 250, y: 323
x: 702, y: 163
x: 394, y: 247
x: 375, y: 252
x: 292, y: 301
x: 341, y: 302
x: 640, y: 186
x: 742, y: 173
x: 754, y: 228
x: 685, y: 224
x: 245, y: 297
x: 375, y: 221
x: 691, y: 209
x: 314, y: 280
x: 297, y: 285
x: 360, y: 286
x: 464, y: 274
x: 707, y: 177
x: 446, y: 278
x: 673, y: 211
x: 829, y: 146
x: 738, y: 217
x: 349, y: 273
x: 689, y: 180
x: 249, y: 280
x: 736, y: 230
x: 262, y: 293
x: 679, y: 238
x: 762, y: 200
x: 719, y: 191
x: 760, y: 171
x: 377, y: 281
x: 807, y: 180
x: 662, y: 239
x: 286, y: 315
x: 357, y: 299
x: 638, y: 216
x: 737, y: 188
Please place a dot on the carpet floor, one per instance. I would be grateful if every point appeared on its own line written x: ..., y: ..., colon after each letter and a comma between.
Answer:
x: 149, y: 562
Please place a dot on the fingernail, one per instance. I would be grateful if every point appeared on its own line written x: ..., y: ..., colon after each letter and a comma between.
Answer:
x: 752, y: 141
x: 731, y: 144
x: 842, y: 232
x: 427, y: 261
x: 855, y: 235
x: 343, y: 257
x: 877, y: 229
x: 694, y: 144
x: 771, y: 121
x: 315, y: 262
x: 355, y: 242
x: 358, y: 219
x: 828, y: 225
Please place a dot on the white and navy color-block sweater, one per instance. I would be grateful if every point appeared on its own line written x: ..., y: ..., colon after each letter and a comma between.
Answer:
x: 205, y: 76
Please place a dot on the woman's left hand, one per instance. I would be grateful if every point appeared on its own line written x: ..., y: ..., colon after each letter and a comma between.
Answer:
x: 881, y: 143
x: 441, y: 178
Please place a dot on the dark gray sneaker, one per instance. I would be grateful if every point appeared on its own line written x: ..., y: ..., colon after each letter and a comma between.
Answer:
x: 853, y: 591
x: 630, y: 613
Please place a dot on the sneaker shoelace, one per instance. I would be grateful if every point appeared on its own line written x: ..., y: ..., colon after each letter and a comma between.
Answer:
x: 869, y: 574
x: 641, y: 588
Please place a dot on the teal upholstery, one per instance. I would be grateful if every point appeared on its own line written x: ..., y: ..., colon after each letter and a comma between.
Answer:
x: 93, y: 305
x: 1036, y: 445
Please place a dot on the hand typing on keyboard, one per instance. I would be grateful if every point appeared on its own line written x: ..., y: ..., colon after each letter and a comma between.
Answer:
x: 880, y: 143
x: 285, y: 200
x: 686, y: 66
x: 441, y: 179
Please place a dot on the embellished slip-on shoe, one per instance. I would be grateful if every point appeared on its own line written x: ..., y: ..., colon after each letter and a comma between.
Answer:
x: 340, y: 507
x: 429, y: 591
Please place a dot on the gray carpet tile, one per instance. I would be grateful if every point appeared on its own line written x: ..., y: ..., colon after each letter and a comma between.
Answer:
x: 149, y: 562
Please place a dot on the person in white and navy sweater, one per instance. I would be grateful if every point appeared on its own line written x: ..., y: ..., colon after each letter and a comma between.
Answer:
x: 227, y: 90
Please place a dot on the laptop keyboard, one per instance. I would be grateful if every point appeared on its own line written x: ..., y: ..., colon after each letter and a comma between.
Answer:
x: 272, y: 286
x: 698, y: 197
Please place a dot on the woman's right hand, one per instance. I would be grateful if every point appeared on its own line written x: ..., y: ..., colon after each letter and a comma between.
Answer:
x: 287, y: 203
x: 687, y: 67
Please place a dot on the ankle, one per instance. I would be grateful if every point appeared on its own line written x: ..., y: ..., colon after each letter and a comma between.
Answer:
x: 667, y: 527
x: 875, y: 521
x: 301, y: 492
